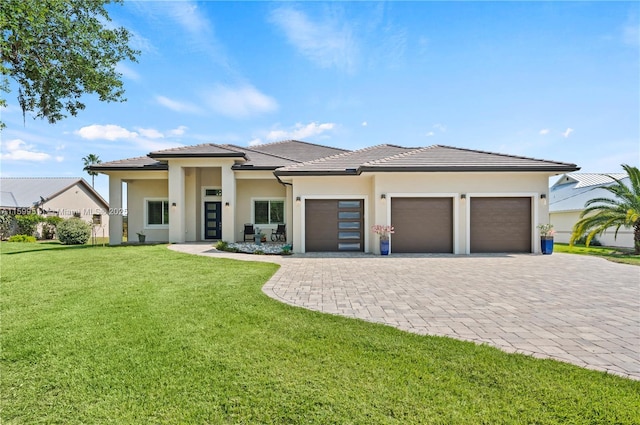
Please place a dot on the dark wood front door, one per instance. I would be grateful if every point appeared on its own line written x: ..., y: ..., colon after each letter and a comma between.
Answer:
x: 212, y: 222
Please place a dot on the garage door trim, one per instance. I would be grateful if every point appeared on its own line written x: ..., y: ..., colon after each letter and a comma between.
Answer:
x: 303, y: 215
x: 534, y: 218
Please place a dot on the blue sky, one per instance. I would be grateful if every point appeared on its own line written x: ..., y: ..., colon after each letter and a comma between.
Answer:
x: 551, y: 80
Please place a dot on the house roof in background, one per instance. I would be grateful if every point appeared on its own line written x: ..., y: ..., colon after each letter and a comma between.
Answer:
x: 589, y: 179
x: 26, y: 192
x: 573, y: 190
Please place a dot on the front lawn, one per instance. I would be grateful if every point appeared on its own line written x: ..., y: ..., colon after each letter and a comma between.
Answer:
x: 142, y: 334
x: 618, y: 255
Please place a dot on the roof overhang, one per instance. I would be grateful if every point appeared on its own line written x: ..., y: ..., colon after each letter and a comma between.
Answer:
x: 196, y: 155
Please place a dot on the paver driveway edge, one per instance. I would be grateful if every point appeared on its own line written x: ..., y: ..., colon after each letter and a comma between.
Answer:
x: 577, y: 309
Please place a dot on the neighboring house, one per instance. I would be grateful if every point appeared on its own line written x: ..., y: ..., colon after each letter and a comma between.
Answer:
x: 47, y: 196
x: 440, y: 199
x: 568, y: 196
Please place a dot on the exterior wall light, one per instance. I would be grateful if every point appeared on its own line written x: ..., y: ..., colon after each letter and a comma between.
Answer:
x: 226, y: 204
x: 298, y: 200
x: 463, y: 196
x: 173, y: 204
x: 543, y: 196
x: 383, y: 197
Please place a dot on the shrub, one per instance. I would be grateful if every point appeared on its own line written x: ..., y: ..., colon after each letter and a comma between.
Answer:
x: 28, y: 223
x: 222, y: 246
x: 49, y: 228
x: 22, y: 238
x: 8, y: 225
x: 583, y: 241
x: 74, y: 231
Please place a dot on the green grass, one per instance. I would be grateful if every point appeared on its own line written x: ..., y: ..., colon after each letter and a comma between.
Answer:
x: 142, y: 334
x: 618, y: 255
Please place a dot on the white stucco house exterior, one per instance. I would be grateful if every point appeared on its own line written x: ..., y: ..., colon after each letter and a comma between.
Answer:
x: 438, y: 198
x: 568, y: 196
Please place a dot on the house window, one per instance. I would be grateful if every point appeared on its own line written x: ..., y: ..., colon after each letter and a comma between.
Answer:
x: 157, y: 212
x: 268, y: 212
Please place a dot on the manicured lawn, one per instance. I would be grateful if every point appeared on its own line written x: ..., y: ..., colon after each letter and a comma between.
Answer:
x: 617, y: 255
x: 141, y: 334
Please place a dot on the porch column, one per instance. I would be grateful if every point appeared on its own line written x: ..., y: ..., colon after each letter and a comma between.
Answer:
x: 177, y: 198
x: 228, y: 212
x: 115, y: 210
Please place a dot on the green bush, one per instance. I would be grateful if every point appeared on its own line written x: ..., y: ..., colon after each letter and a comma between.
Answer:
x: 22, y: 238
x: 49, y: 226
x: 28, y: 223
x: 74, y: 231
x: 583, y: 241
x: 222, y: 246
x: 7, y: 225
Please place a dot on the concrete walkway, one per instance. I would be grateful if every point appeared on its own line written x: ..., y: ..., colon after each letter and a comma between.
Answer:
x: 578, y: 309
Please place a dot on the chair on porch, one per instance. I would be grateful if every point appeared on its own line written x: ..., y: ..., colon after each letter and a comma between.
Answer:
x: 279, y: 234
x: 249, y: 232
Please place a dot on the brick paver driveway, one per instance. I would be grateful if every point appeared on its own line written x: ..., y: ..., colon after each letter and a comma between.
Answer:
x: 577, y: 309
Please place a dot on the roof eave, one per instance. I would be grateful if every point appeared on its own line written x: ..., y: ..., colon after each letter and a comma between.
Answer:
x: 162, y: 167
x: 318, y: 173
x: 554, y: 169
x: 197, y: 155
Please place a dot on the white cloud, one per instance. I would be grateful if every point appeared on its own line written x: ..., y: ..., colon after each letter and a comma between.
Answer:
x: 60, y: 147
x: 151, y: 133
x: 177, y: 106
x: 59, y: 158
x: 567, y: 132
x: 431, y: 134
x: 300, y: 131
x: 544, y: 132
x: 255, y: 142
x: 328, y: 42
x: 18, y: 150
x: 364, y: 123
x: 240, y: 102
x: 178, y: 131
x: 127, y: 71
x: 106, y: 132
x: 440, y: 127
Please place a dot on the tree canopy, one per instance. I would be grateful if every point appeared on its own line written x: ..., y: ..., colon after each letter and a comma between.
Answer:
x: 58, y: 50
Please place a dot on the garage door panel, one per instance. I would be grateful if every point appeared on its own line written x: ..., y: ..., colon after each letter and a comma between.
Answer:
x: 500, y: 224
x: 422, y: 225
x: 334, y: 225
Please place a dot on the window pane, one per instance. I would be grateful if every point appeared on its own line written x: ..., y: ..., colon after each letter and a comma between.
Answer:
x: 349, y: 225
x: 154, y: 212
x: 166, y: 212
x: 213, y: 192
x: 262, y: 212
x: 348, y: 215
x: 277, y: 212
x: 348, y: 235
x: 348, y: 204
x: 349, y: 247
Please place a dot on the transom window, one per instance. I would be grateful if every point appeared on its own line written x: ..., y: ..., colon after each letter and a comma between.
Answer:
x: 268, y: 212
x: 157, y: 212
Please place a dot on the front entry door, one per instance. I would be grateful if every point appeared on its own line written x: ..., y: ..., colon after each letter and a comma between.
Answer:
x: 212, y: 222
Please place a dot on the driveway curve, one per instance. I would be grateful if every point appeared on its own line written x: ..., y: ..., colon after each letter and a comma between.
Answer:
x: 576, y: 309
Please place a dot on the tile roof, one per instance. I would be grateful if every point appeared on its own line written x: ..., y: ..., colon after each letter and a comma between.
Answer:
x: 298, y: 151
x: 447, y: 158
x: 203, y: 150
x: 259, y: 160
x: 139, y: 163
x: 344, y: 163
x: 26, y: 192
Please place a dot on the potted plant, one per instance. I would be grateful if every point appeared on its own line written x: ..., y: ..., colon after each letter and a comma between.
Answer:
x: 383, y: 231
x: 258, y: 237
x: 141, y: 236
x: 546, y: 238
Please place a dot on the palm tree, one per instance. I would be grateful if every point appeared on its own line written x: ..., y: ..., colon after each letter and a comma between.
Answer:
x: 621, y: 211
x: 90, y: 160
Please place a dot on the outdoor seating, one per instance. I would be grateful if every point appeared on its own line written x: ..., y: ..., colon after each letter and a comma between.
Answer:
x: 249, y: 232
x: 279, y: 234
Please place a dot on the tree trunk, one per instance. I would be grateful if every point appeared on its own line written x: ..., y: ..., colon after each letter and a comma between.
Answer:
x: 636, y: 238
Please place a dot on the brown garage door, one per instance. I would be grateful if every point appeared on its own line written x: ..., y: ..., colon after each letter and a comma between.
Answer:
x: 422, y: 225
x: 500, y: 224
x: 334, y: 225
